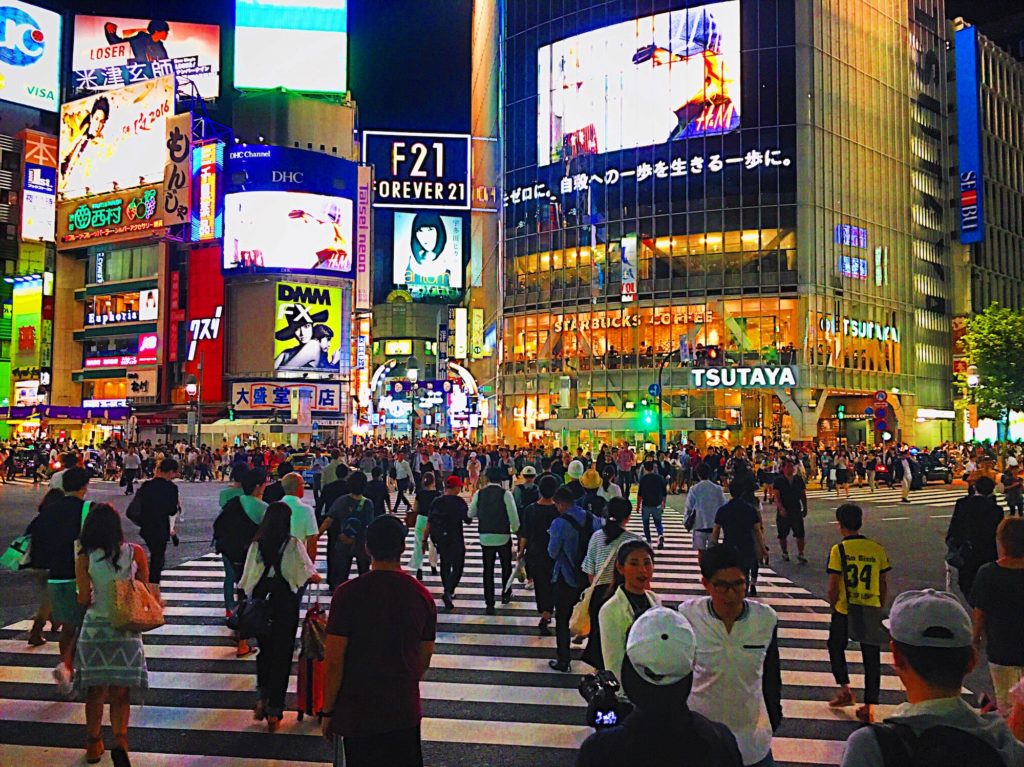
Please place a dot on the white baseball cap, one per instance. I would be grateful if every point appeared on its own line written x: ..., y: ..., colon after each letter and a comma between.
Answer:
x: 929, y: 618
x: 575, y: 469
x: 661, y: 646
x: 528, y: 471
x: 1011, y: 461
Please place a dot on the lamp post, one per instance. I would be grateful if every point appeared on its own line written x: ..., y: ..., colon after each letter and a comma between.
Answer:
x: 973, y: 382
x: 412, y: 373
x: 661, y: 370
x: 194, y: 389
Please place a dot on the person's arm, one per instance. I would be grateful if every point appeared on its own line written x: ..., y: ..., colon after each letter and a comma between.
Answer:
x: 335, y: 648
x: 759, y: 539
x: 978, y: 620
x: 141, y: 563
x: 472, y: 505
x: 426, y: 652
x: 716, y: 532
x: 554, y: 539
x: 883, y: 587
x: 82, y: 580
x: 311, y: 546
x: 513, y: 513
x: 833, y: 590
x: 771, y: 682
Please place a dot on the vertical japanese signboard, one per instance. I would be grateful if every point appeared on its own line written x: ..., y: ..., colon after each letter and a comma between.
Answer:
x: 177, y: 193
x: 630, y: 265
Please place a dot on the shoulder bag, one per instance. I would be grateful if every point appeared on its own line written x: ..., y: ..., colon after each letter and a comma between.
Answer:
x: 252, y: 617
x: 864, y: 621
x: 579, y: 621
x: 17, y: 554
x: 135, y: 608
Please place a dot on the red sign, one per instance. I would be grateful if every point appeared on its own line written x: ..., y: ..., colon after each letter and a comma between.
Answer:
x: 149, y: 349
x: 204, y: 327
x: 175, y: 318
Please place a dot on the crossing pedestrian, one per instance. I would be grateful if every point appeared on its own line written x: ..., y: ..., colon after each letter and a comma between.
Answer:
x: 130, y: 470
x: 739, y: 522
x: 446, y: 519
x: 651, y: 497
x: 533, y: 542
x: 971, y: 537
x: 158, y: 503
x: 495, y: 508
x: 703, y: 501
x: 627, y: 597
x: 403, y: 477
x: 1013, y: 488
x: 790, y: 494
x: 425, y: 498
x: 39, y: 575
x: 345, y: 525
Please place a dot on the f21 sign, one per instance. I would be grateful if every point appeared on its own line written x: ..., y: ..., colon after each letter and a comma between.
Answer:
x: 419, y: 170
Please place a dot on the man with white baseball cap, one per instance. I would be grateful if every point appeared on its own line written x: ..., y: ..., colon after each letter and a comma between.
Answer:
x: 657, y: 674
x: 573, y: 475
x: 932, y: 653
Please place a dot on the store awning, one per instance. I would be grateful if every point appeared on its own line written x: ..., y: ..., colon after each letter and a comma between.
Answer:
x: 630, y: 424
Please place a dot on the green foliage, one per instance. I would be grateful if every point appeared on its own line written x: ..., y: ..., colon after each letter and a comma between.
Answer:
x: 995, y: 344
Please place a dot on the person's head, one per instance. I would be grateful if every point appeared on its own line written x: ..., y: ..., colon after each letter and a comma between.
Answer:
x: 101, y: 531
x: 357, y: 483
x: 385, y: 539
x: 657, y: 668
x: 50, y: 497
x: 723, y: 579
x: 649, y: 467
x: 548, y: 486
x: 607, y: 476
x: 253, y: 481
x: 285, y: 467
x: 237, y: 472
x: 75, y: 481
x: 429, y: 236
x: 985, y: 485
x: 323, y: 336
x: 168, y: 468
x: 292, y: 484
x: 376, y: 472
x: 1009, y: 537
x: 428, y: 480
x: 703, y: 471
x: 788, y: 467
x: 850, y: 517
x: 453, y: 485
x: 97, y: 118
x: 590, y: 480
x: 634, y: 567
x: 274, y: 530
x: 575, y: 470
x: 564, y: 499
x: 158, y: 30
x: 529, y: 474
x: 931, y: 643
x: 618, y: 511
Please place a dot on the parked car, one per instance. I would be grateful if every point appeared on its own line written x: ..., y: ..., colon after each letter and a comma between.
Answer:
x: 303, y: 464
x: 935, y: 470
x: 26, y: 462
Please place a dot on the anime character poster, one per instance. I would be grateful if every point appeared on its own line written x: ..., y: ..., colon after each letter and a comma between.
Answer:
x: 307, y: 328
x: 655, y: 79
x: 427, y: 252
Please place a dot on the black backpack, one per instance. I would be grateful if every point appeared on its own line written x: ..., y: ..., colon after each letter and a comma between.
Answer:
x: 233, y: 531
x: 935, y: 747
x: 529, y: 494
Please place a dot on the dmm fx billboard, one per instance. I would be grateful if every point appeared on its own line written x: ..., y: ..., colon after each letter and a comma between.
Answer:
x: 307, y: 329
x: 968, y: 120
x: 757, y: 377
x: 419, y: 170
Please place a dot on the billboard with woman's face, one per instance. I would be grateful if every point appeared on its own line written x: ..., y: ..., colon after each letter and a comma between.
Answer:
x: 427, y: 252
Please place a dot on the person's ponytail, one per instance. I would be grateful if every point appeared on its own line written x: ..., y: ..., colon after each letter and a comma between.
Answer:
x: 617, y: 512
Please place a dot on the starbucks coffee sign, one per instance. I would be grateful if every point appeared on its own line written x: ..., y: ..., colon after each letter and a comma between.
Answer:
x: 758, y: 377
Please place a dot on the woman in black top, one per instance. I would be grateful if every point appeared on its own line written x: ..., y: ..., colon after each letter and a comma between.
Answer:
x: 425, y: 498
x: 533, y: 539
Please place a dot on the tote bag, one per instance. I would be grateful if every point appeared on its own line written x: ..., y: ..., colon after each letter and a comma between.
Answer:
x: 579, y: 622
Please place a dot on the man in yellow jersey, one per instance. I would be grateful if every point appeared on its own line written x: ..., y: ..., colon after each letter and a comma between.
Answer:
x: 857, y: 575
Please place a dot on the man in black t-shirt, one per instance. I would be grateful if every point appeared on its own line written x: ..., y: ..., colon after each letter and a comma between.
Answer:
x: 790, y: 495
x: 651, y: 497
x: 445, y: 520
x: 346, y: 524
x: 377, y: 491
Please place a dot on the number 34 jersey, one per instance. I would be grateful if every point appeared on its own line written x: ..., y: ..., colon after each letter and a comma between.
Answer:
x: 865, y: 562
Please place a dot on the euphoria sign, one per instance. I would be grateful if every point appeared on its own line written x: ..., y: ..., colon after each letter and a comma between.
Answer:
x: 419, y: 170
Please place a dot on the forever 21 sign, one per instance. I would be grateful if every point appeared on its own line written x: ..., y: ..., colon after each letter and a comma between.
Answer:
x: 419, y: 170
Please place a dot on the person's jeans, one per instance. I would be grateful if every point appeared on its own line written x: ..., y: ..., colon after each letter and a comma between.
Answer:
x: 129, y: 481
x: 626, y: 482
x: 400, y: 748
x: 452, y: 562
x: 566, y: 597
x: 1004, y: 678
x: 230, y: 579
x: 504, y: 553
x: 652, y: 511
x: 838, y: 636
x: 403, y: 485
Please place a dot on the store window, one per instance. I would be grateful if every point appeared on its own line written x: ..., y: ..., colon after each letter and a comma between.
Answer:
x: 123, y: 264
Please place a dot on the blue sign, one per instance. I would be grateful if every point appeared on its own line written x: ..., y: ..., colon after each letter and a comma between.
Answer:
x: 654, y: 390
x: 849, y: 235
x: 850, y: 266
x: 39, y: 178
x: 258, y: 167
x: 419, y: 170
x: 968, y: 119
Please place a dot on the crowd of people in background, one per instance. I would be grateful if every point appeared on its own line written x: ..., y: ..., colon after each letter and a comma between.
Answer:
x: 572, y: 524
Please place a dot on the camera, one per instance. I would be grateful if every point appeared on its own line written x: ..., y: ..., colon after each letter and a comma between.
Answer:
x: 604, y: 706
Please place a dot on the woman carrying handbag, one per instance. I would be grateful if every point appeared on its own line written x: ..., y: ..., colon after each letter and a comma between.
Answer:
x: 110, y: 664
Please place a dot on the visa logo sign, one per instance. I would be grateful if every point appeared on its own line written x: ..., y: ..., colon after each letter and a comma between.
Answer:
x: 41, y: 93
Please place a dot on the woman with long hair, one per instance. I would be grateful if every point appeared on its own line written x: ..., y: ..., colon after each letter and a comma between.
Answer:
x: 276, y: 567
x: 604, y: 546
x: 425, y: 497
x: 110, y: 664
x: 609, y: 489
x: 630, y: 598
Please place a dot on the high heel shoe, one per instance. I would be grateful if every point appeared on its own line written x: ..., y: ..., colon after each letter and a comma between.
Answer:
x: 94, y: 749
x: 119, y: 756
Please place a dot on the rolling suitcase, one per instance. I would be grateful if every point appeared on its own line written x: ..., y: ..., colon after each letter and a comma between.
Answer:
x: 309, y: 694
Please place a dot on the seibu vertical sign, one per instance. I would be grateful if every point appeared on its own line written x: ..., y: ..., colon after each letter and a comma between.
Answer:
x: 968, y: 120
x: 204, y: 327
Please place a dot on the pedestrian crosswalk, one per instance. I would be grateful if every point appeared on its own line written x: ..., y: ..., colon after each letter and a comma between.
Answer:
x: 489, y: 697
x: 932, y: 495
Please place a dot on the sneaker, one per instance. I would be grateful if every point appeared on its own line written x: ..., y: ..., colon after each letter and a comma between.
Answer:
x: 661, y: 542
x: 243, y: 649
x: 844, y: 698
x: 449, y: 605
x: 785, y: 556
x: 506, y: 598
x: 558, y: 666
x: 802, y: 559
x: 904, y: 500
x: 63, y: 677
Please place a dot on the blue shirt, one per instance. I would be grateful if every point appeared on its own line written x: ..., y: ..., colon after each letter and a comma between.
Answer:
x: 564, y: 545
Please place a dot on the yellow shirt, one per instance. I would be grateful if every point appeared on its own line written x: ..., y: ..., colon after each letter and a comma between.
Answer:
x: 865, y: 563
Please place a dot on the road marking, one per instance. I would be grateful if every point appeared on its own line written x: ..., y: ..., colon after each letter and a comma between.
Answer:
x: 894, y: 519
x: 941, y: 516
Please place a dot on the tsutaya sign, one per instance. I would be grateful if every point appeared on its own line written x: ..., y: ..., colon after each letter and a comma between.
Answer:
x: 859, y: 329
x: 761, y: 377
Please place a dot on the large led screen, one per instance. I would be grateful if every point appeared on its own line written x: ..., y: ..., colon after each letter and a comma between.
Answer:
x: 115, y: 139
x: 659, y: 78
x: 296, y: 44
x: 110, y: 52
x: 307, y: 328
x: 288, y: 231
x: 29, y: 55
x: 428, y: 251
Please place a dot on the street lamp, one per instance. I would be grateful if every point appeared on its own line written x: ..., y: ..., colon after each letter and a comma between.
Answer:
x: 194, y: 389
x: 973, y: 382
x: 973, y: 379
x: 412, y: 373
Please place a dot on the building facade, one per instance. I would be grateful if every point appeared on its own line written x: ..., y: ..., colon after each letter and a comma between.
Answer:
x: 721, y: 225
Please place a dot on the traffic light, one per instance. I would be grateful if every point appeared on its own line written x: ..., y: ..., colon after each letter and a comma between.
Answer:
x: 840, y: 412
x: 231, y: 412
x: 647, y: 415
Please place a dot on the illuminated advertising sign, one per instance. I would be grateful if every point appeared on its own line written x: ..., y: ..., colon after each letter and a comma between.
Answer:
x: 757, y: 377
x: 364, y: 246
x: 148, y: 349
x: 968, y: 120
x: 29, y: 55
x: 400, y: 348
x: 176, y: 202
x: 288, y: 231
x: 207, y: 169
x: 38, y: 203
x: 852, y: 236
x: 204, y: 337
x: 110, y: 217
x: 301, y: 45
x: 630, y: 266
x: 110, y: 52
x: 647, y: 81
x: 149, y: 305
x: 461, y: 342
x: 476, y: 331
x: 274, y: 395
x: 117, y: 138
x: 260, y: 168
x: 427, y: 254
x: 26, y: 300
x: 307, y: 328
x: 419, y: 170
x: 143, y: 306
x: 112, y: 361
x: 857, y: 268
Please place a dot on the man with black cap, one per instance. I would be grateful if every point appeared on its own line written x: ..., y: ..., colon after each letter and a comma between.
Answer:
x: 380, y: 638
x: 657, y: 674
x: 932, y: 654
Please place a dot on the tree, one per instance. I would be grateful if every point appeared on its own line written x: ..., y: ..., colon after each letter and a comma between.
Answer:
x: 995, y: 345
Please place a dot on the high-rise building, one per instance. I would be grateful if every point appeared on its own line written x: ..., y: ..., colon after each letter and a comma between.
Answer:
x: 726, y: 222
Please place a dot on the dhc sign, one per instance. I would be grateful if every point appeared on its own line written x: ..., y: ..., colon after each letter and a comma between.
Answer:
x: 760, y: 377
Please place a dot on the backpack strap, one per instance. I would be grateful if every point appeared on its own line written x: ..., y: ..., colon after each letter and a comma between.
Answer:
x: 896, y: 742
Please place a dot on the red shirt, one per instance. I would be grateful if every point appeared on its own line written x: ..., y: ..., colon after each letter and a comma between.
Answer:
x: 386, y: 615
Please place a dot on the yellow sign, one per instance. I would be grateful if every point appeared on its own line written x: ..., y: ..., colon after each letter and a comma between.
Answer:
x: 307, y: 328
x: 401, y: 348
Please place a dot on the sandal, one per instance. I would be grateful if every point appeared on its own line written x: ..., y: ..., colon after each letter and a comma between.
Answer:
x: 843, y: 699
x: 94, y: 749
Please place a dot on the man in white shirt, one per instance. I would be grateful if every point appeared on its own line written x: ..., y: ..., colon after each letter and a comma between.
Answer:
x: 304, y: 525
x: 495, y: 507
x: 403, y: 478
x: 703, y: 502
x: 908, y: 476
x: 737, y: 679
